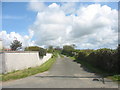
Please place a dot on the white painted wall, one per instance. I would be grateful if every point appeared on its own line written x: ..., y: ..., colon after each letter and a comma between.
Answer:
x: 22, y: 60
x: 1, y: 46
x: 1, y: 54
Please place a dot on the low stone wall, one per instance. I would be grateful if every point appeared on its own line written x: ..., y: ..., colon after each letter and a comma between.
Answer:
x: 12, y: 61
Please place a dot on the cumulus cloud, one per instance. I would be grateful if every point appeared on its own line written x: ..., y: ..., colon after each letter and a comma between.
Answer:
x: 92, y: 26
x: 9, y: 37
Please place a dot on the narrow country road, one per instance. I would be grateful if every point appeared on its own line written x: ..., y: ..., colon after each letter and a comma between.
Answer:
x: 65, y: 73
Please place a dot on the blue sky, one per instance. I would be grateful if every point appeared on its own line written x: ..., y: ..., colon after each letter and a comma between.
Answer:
x: 18, y: 17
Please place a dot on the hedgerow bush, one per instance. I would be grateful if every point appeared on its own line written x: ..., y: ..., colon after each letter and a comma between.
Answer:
x: 83, y: 54
x: 42, y: 51
x: 68, y: 50
x: 104, y: 59
x: 32, y: 48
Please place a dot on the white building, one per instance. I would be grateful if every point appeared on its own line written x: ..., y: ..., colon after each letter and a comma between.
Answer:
x: 1, y: 45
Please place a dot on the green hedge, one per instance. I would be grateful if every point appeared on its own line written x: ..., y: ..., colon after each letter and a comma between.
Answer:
x: 32, y: 48
x: 42, y: 51
x: 68, y: 50
x: 104, y: 59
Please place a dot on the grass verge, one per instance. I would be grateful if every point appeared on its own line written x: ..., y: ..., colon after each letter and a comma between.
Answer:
x: 115, y: 78
x: 62, y: 56
x: 30, y: 71
x: 0, y: 77
x: 72, y: 58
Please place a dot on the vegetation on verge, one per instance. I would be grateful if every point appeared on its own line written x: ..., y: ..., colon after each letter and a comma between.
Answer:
x: 115, y: 78
x: 30, y: 71
x: 62, y: 56
x: 32, y: 48
x: 72, y: 58
x: 68, y: 50
x: 0, y: 77
x: 103, y: 61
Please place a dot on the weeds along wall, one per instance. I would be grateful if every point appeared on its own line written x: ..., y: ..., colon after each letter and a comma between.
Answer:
x: 13, y: 61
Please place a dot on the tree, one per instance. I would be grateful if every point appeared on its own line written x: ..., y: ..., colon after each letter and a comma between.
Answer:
x: 73, y: 45
x: 42, y: 52
x: 15, y: 45
x: 68, y: 50
x: 118, y: 49
x: 57, y: 48
x: 50, y: 49
x: 32, y: 48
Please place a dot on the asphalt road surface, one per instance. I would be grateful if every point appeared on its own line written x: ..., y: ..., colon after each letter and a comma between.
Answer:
x: 65, y: 73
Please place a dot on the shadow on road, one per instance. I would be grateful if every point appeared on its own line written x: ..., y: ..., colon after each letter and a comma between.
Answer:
x: 65, y: 77
x: 100, y: 75
x: 74, y: 77
x: 103, y: 75
x: 84, y: 67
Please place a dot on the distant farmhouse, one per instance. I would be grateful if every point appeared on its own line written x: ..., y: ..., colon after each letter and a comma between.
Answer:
x: 1, y: 45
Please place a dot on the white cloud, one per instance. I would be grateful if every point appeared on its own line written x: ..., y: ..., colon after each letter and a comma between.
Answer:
x: 9, y: 37
x: 69, y: 7
x: 92, y: 26
x: 53, y: 6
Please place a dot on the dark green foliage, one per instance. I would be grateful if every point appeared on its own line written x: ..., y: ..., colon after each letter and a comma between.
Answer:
x: 104, y: 59
x: 118, y: 58
x: 58, y: 49
x: 81, y: 55
x: 50, y: 49
x: 116, y: 77
x: 68, y: 50
x: 15, y: 44
x: 32, y: 48
x: 42, y: 51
